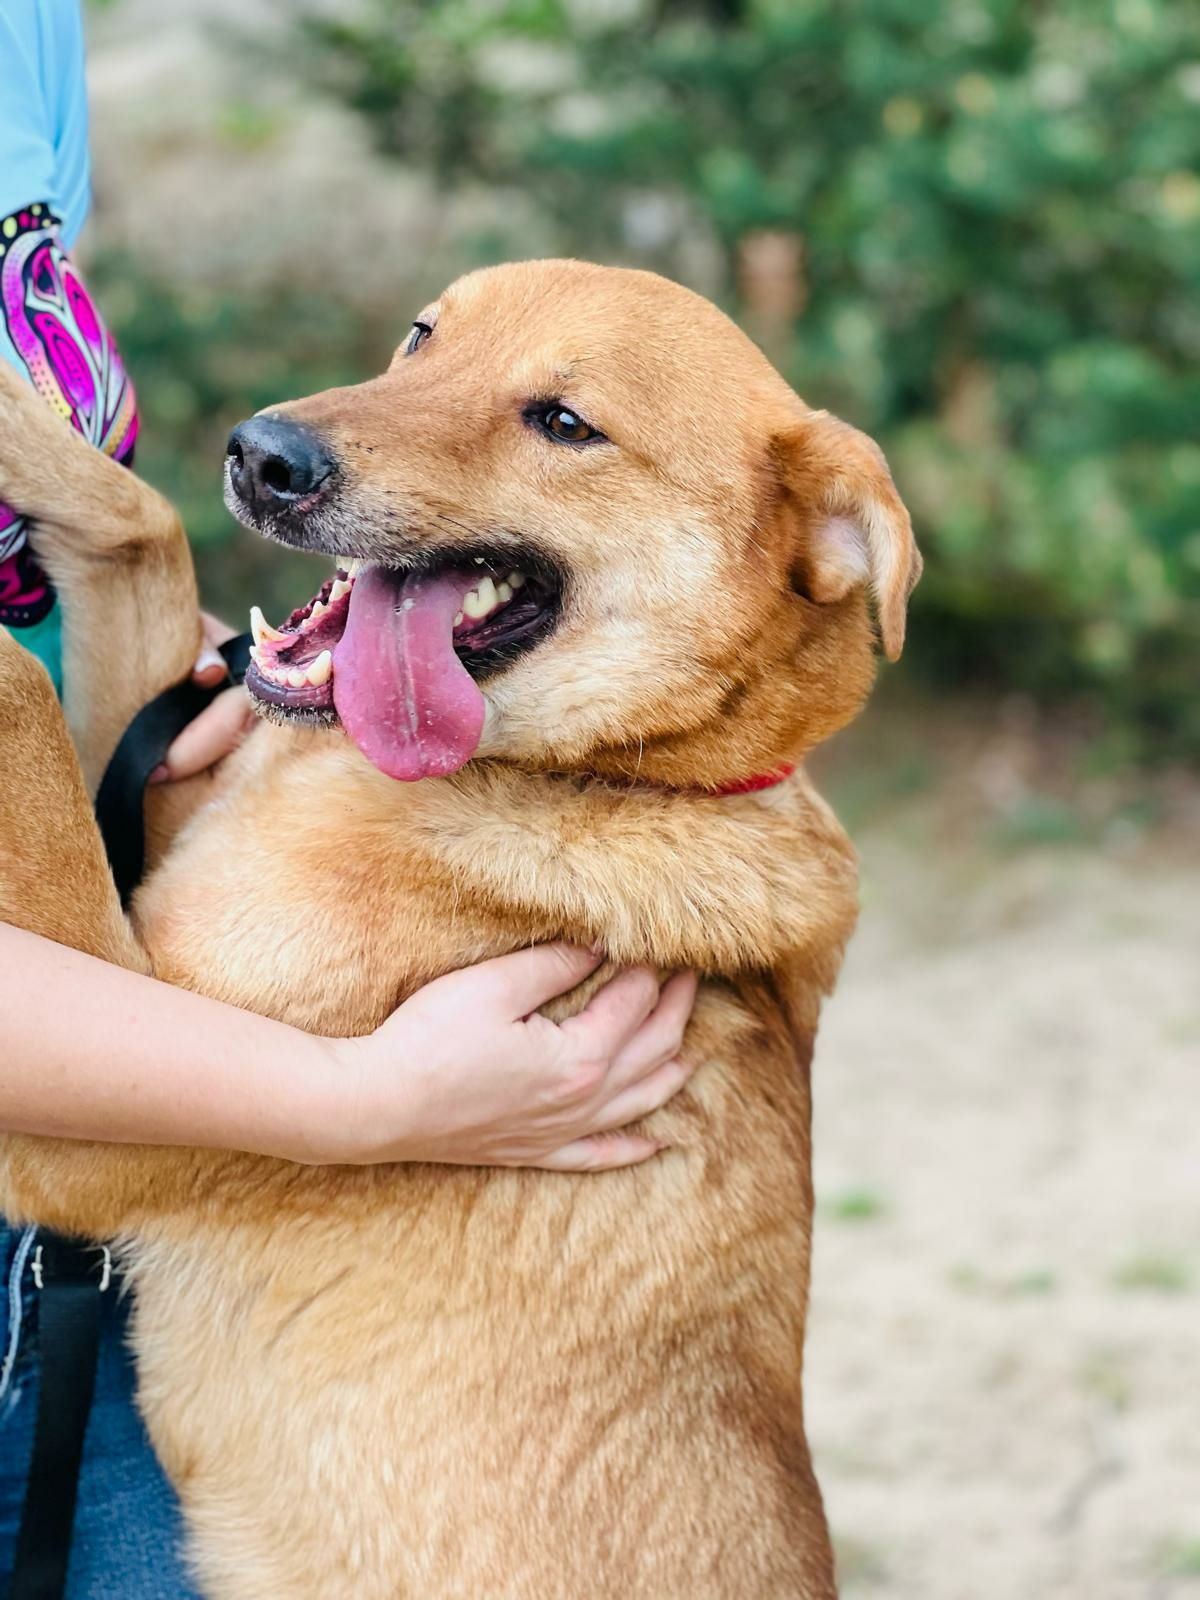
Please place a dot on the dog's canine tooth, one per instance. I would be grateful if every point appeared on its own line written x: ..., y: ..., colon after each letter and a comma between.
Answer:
x: 261, y: 628
x: 320, y: 670
x: 341, y: 586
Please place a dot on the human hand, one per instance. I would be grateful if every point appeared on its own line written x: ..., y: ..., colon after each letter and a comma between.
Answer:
x: 466, y: 1072
x: 221, y: 726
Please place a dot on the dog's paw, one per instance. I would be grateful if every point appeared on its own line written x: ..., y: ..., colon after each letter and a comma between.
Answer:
x: 18, y: 398
x: 33, y: 442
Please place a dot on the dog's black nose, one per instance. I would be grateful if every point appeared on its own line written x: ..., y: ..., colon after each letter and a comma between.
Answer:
x: 273, y: 461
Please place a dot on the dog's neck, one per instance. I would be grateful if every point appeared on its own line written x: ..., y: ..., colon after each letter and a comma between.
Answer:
x: 673, y: 878
x: 718, y: 791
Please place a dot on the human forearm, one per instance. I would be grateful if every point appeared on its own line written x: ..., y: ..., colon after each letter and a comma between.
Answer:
x: 93, y: 1052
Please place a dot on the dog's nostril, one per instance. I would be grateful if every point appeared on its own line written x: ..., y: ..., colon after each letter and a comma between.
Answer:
x: 273, y: 461
x: 276, y: 474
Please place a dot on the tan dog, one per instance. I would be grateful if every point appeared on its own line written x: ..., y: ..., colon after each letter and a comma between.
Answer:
x: 437, y: 1382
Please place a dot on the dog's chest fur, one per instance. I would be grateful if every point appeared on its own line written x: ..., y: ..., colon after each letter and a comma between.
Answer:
x: 383, y: 886
x: 514, y: 1313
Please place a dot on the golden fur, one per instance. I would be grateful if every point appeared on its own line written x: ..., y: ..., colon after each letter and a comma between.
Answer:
x: 436, y: 1382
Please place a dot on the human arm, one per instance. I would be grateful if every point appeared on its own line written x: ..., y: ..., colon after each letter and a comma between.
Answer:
x: 92, y: 1051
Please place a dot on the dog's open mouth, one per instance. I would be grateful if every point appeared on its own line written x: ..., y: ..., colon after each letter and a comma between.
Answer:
x: 395, y: 655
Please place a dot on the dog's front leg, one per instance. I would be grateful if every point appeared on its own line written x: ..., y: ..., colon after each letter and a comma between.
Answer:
x: 54, y: 875
x: 54, y: 881
x: 118, y: 556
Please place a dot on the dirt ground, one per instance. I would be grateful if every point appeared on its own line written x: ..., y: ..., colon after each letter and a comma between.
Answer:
x: 1003, y: 1379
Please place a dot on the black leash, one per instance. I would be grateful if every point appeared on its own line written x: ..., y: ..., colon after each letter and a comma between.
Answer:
x: 71, y: 1276
x: 143, y: 746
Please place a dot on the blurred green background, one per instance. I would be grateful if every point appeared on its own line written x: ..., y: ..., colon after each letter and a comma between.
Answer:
x: 972, y: 229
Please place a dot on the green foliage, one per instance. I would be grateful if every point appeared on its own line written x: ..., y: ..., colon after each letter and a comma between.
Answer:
x: 1156, y: 1274
x: 857, y: 1205
x: 1180, y: 1558
x: 998, y: 216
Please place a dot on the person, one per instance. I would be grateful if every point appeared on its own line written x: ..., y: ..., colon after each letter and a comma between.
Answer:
x: 92, y: 1051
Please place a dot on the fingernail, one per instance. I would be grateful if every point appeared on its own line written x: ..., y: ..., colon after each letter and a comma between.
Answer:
x: 160, y: 774
x: 207, y: 660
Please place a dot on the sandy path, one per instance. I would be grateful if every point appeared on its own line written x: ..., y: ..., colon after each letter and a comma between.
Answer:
x: 1004, y: 1357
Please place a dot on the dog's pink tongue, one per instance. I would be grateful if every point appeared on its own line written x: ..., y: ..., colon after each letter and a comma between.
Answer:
x: 403, y: 696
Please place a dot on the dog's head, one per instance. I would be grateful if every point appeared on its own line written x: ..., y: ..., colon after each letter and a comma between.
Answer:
x: 582, y: 525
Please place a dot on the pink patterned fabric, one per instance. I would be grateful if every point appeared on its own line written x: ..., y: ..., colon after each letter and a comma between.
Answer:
x: 57, y: 336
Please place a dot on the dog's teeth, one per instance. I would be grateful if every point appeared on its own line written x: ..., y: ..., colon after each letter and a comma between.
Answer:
x: 321, y: 669
x: 483, y: 599
x: 341, y: 586
x: 255, y: 656
x: 352, y: 569
x: 515, y: 580
x: 504, y: 593
x: 318, y: 610
x: 297, y: 679
x: 458, y: 619
x: 261, y: 628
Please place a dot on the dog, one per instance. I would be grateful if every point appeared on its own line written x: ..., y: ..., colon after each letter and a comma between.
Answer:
x: 602, y: 581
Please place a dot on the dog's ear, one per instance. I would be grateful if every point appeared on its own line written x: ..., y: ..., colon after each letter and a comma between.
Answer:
x: 852, y: 526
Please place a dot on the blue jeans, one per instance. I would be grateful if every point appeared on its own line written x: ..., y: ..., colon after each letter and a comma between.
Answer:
x: 127, y: 1524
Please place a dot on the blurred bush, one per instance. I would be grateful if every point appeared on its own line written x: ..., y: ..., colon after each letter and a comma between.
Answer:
x: 973, y: 229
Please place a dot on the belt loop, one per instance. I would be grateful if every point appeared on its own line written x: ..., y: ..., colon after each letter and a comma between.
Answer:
x: 38, y: 1268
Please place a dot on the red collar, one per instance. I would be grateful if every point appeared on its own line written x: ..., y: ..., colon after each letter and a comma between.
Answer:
x: 763, y: 780
x: 760, y: 780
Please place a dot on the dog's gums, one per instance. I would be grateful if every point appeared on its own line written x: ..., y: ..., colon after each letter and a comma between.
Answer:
x: 394, y: 656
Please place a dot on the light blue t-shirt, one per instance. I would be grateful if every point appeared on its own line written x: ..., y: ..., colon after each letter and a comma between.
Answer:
x: 43, y: 111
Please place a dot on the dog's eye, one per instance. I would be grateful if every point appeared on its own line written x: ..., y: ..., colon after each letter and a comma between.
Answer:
x: 420, y: 332
x: 562, y: 424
